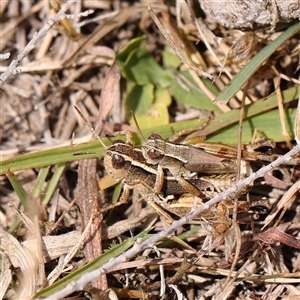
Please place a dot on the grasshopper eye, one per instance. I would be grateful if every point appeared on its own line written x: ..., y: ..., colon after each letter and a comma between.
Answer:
x: 154, y: 154
x: 154, y: 137
x: 259, y: 209
x: 118, y: 162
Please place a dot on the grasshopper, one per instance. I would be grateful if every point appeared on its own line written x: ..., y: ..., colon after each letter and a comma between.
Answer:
x: 127, y: 164
x: 208, y: 158
x: 118, y: 162
x: 187, y: 161
x: 121, y: 157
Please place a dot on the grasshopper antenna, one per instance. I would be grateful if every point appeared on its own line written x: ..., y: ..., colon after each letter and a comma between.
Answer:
x: 137, y: 125
x: 90, y: 127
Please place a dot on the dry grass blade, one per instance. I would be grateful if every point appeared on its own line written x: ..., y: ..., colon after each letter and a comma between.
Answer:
x: 6, y: 274
x: 175, y: 48
x: 55, y: 246
x: 64, y: 260
x: 273, y: 235
x: 19, y: 256
x: 284, y: 203
x: 89, y: 204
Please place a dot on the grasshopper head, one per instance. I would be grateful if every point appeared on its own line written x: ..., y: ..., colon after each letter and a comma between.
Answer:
x: 154, y: 149
x: 117, y: 160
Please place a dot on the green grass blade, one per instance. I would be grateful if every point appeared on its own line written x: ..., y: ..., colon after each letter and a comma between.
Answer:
x: 53, y: 156
x: 240, y: 79
x: 37, y: 190
x: 182, y: 236
x: 268, y: 123
x: 254, y: 109
x: 95, y: 264
x: 18, y: 188
x: 47, y: 195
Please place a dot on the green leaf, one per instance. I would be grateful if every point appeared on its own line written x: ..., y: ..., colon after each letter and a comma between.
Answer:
x: 38, y: 187
x: 268, y: 123
x: 51, y: 186
x: 18, y: 188
x: 259, y: 107
x: 132, y: 45
x: 170, y: 59
x: 187, y: 92
x: 53, y: 156
x: 156, y: 112
x: 140, y: 99
x: 162, y: 97
x: 141, y: 68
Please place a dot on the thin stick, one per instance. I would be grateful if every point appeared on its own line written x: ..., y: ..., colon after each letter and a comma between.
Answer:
x: 90, y: 127
x: 297, y: 123
x: 37, y: 37
x: 171, y: 42
x: 281, y: 111
x: 137, y: 126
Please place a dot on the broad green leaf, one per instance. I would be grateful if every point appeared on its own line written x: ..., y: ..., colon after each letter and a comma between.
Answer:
x: 132, y: 45
x: 268, y: 123
x: 162, y: 96
x: 140, y: 99
x: 260, y: 106
x: 170, y: 59
x: 141, y: 68
x: 187, y: 92
x: 149, y: 106
x: 157, y: 113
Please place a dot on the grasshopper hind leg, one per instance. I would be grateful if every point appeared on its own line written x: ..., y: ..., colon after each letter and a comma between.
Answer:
x: 123, y: 200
